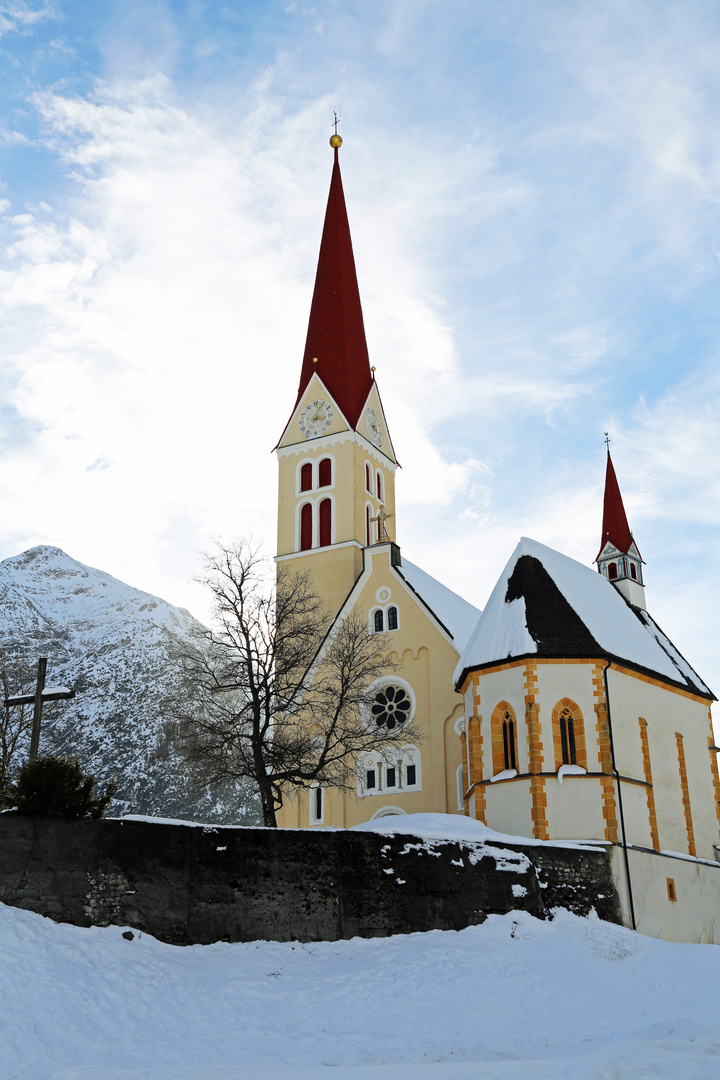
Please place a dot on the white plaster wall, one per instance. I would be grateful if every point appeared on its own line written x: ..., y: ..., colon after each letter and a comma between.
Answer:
x: 509, y: 807
x: 693, y: 917
x: 558, y: 680
x: 635, y: 811
x: 666, y: 713
x: 508, y: 685
x: 574, y: 808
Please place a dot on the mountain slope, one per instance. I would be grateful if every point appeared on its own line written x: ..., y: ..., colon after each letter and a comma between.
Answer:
x: 114, y: 645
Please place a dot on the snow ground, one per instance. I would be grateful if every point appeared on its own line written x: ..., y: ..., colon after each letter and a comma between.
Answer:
x: 512, y: 999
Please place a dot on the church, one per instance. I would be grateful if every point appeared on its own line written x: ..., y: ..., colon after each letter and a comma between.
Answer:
x: 561, y: 712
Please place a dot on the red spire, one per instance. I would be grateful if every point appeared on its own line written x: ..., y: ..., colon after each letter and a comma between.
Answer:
x: 615, y: 526
x: 336, y: 333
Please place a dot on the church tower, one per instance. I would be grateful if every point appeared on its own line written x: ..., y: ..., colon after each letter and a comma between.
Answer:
x: 336, y: 460
x: 619, y: 559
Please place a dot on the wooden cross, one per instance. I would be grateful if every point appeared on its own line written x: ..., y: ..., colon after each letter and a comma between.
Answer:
x: 41, y: 695
x: 381, y: 518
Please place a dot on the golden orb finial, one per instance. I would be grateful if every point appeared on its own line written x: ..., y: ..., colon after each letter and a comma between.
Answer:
x: 336, y: 141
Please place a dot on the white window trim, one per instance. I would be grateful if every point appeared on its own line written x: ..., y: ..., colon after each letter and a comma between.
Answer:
x: 371, y: 468
x: 381, y: 497
x: 384, y: 608
x: 369, y: 532
x: 460, y: 788
x: 315, y: 463
x: 394, y: 758
x: 311, y: 808
x: 315, y: 499
x: 386, y: 680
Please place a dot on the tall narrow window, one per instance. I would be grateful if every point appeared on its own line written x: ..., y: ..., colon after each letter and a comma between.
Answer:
x: 379, y: 621
x: 508, y: 730
x: 390, y: 776
x: 411, y: 776
x: 325, y: 473
x: 379, y: 486
x: 633, y: 572
x: 567, y: 737
x: 368, y: 535
x: 306, y: 477
x: 612, y: 571
x: 370, y: 778
x: 368, y: 479
x: 306, y: 516
x: 325, y: 523
x: 392, y: 618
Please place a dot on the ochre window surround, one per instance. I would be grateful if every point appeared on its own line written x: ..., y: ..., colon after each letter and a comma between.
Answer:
x: 568, y: 728
x: 503, y: 728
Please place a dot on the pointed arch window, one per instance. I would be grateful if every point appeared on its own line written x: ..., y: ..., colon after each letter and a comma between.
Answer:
x: 325, y: 523
x: 306, y: 527
x: 306, y: 477
x: 325, y: 473
x: 503, y: 726
x: 569, y: 734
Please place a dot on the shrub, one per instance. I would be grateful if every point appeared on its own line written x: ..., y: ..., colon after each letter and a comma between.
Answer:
x: 57, y: 787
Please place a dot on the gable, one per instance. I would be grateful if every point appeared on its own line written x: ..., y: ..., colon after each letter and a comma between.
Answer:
x: 314, y: 392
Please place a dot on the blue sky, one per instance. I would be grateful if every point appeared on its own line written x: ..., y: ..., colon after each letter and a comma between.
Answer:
x: 534, y: 197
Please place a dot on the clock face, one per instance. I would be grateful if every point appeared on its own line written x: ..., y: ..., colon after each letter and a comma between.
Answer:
x: 373, y: 426
x: 315, y: 418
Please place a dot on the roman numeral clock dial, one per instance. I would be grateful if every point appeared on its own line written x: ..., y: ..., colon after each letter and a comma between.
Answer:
x: 315, y: 418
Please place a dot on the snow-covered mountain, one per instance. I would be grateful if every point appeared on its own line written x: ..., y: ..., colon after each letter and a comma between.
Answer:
x: 114, y: 645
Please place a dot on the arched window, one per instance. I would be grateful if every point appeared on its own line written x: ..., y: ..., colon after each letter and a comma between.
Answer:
x: 378, y: 621
x: 368, y: 535
x: 325, y: 523
x: 612, y: 571
x: 633, y: 571
x: 368, y: 478
x: 379, y: 486
x: 392, y: 618
x: 569, y: 734
x: 567, y: 738
x: 325, y: 473
x: 503, y: 726
x: 306, y: 477
x: 306, y: 530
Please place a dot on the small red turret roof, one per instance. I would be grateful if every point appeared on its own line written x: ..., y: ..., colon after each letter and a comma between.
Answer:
x: 615, y: 526
x: 336, y: 333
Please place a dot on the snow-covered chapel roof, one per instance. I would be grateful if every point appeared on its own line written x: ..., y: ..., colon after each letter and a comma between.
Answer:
x: 458, y: 616
x: 546, y: 604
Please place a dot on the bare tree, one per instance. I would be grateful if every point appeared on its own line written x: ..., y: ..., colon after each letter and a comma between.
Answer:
x: 15, y: 720
x: 274, y: 692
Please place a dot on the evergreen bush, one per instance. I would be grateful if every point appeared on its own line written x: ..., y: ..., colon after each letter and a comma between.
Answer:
x: 54, y: 786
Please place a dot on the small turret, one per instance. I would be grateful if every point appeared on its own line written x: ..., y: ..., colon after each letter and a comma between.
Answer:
x: 619, y: 559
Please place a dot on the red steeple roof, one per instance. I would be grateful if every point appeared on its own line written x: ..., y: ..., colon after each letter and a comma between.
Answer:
x: 336, y: 333
x: 615, y: 526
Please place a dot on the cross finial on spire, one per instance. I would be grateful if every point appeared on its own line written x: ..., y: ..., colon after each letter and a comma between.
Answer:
x: 336, y: 140
x: 607, y: 441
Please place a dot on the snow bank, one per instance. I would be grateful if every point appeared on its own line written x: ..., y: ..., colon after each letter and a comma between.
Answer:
x: 550, y: 1000
x: 452, y: 827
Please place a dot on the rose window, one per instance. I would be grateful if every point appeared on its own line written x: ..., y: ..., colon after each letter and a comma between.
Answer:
x: 391, y: 707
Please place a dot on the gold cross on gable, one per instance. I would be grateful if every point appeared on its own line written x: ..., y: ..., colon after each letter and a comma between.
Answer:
x: 382, y: 517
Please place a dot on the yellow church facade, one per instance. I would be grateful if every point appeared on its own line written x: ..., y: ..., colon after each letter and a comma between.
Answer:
x: 336, y: 521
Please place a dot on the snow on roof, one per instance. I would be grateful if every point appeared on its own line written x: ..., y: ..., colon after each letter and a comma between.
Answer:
x: 548, y: 604
x: 458, y: 616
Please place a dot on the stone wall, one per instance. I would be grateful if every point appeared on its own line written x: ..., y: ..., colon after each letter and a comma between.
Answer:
x: 194, y: 885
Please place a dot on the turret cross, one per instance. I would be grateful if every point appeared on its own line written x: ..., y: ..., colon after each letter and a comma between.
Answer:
x: 38, y: 699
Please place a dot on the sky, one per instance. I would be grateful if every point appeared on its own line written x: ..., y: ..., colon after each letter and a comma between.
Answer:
x: 534, y: 200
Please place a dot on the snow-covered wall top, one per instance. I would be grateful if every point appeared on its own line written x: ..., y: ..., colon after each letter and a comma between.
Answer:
x: 550, y: 605
x: 457, y: 615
